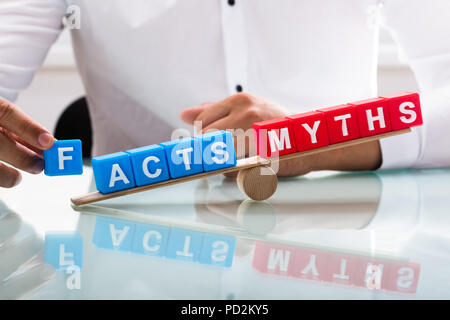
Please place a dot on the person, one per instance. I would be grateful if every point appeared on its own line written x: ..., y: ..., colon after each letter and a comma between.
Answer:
x: 227, y: 63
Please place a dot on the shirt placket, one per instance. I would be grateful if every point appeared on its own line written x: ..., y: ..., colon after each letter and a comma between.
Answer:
x: 235, y: 45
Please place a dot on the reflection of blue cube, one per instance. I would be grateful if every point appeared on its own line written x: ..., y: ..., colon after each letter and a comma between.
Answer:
x: 217, y: 250
x: 63, y: 249
x: 64, y: 158
x: 113, y: 172
x: 149, y: 165
x: 184, y: 245
x: 150, y: 239
x: 184, y: 156
x: 113, y: 234
x: 218, y: 150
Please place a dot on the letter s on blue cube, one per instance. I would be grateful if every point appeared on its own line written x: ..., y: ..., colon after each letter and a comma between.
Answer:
x: 218, y: 150
x: 64, y: 158
x: 113, y: 172
x: 218, y: 250
x: 149, y: 165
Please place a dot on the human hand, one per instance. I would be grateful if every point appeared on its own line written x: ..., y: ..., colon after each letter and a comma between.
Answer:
x: 22, y: 141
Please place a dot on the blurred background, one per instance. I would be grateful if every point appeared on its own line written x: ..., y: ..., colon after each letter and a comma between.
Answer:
x: 58, y: 79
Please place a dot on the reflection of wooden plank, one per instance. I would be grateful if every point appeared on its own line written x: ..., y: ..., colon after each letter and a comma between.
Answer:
x: 241, y: 165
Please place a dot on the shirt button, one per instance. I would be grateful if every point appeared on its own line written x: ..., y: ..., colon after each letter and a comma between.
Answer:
x: 239, y: 88
x: 231, y: 2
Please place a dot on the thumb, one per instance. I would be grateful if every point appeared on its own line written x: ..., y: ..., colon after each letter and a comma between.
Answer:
x: 189, y: 115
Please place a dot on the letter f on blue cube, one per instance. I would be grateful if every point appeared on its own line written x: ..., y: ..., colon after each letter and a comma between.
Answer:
x: 218, y: 150
x: 64, y: 158
x: 113, y: 172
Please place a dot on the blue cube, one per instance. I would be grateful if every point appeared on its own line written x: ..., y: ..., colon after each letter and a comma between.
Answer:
x: 63, y: 249
x: 218, y: 150
x: 184, y: 156
x: 113, y: 234
x: 217, y: 250
x: 184, y: 245
x: 150, y: 239
x: 64, y: 158
x: 113, y: 172
x: 149, y: 164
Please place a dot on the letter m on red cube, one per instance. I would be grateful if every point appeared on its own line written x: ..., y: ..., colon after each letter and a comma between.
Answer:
x: 274, y: 137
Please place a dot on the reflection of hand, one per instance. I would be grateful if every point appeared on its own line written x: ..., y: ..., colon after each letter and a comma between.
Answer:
x: 346, y: 201
x: 21, y: 254
x: 22, y: 141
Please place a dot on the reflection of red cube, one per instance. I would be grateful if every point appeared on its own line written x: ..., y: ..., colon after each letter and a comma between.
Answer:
x: 311, y: 264
x: 275, y: 259
x: 342, y: 268
x: 370, y: 273
x: 404, y: 109
x: 373, y: 116
x: 342, y: 123
x: 310, y: 130
x: 402, y: 277
x: 274, y: 137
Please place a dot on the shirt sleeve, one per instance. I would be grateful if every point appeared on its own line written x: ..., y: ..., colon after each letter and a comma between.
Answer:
x: 422, y: 29
x: 28, y: 28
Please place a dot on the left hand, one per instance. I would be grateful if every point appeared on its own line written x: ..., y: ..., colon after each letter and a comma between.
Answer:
x: 240, y: 111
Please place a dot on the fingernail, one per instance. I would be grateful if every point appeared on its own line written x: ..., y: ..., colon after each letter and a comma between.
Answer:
x: 18, y: 180
x: 38, y: 165
x: 45, y: 139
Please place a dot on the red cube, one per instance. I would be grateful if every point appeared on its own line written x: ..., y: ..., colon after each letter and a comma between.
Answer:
x: 342, y: 268
x: 402, y: 277
x: 273, y: 258
x: 373, y: 116
x: 311, y: 264
x: 274, y: 137
x: 370, y: 273
x: 342, y: 123
x: 404, y: 109
x: 310, y: 130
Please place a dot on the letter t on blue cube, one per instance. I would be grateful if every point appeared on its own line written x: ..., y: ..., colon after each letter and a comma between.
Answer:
x: 184, y: 156
x: 113, y: 172
x: 64, y: 158
x: 218, y: 150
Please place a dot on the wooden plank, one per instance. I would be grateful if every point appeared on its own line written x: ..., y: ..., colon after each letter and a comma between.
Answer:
x: 241, y: 165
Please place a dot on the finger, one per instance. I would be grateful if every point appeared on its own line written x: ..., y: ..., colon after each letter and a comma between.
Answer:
x: 15, y: 137
x: 189, y: 115
x: 221, y: 124
x: 214, y: 113
x: 9, y: 177
x: 19, y: 156
x: 14, y: 120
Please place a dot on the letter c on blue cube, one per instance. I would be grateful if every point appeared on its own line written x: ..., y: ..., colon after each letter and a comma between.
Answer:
x: 64, y: 158
x: 113, y: 172
x: 63, y: 249
x: 184, y: 156
x: 218, y: 150
x: 149, y: 165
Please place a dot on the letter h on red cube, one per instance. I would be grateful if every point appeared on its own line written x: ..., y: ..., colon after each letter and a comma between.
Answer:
x: 373, y: 116
x: 274, y: 137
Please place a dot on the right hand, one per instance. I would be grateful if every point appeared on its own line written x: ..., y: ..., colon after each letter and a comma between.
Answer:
x: 22, y: 141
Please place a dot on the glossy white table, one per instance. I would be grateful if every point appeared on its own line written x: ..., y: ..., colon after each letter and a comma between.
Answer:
x: 395, y: 221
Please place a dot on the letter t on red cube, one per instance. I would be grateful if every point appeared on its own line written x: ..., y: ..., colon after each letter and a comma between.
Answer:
x: 342, y: 123
x: 274, y: 137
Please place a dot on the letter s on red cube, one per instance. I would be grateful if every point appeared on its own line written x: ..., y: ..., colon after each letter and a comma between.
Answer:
x: 274, y: 137
x: 405, y: 110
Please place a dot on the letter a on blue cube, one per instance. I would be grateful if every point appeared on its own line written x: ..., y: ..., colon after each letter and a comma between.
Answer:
x: 113, y: 172
x: 63, y: 249
x: 113, y: 234
x: 218, y: 250
x: 64, y: 158
x: 184, y: 245
x: 149, y: 164
x: 184, y: 156
x: 218, y: 150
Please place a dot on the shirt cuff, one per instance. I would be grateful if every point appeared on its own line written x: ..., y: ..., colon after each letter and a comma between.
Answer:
x: 400, y: 151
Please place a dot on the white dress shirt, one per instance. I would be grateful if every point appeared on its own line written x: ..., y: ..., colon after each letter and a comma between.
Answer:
x: 142, y: 61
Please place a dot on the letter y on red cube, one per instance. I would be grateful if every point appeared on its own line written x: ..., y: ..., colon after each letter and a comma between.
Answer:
x: 310, y: 130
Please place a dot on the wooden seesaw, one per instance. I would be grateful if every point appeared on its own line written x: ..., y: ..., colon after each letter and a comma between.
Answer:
x: 256, y: 184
